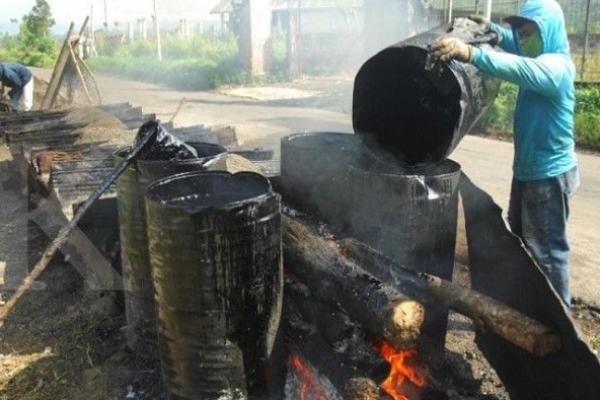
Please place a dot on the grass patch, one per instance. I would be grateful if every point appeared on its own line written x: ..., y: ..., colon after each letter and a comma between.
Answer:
x: 197, y: 63
x: 180, y: 74
x: 500, y: 119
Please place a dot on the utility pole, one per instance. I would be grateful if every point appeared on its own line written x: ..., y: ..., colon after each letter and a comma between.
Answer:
x: 586, y: 39
x: 157, y: 28
x: 92, y: 33
x: 105, y: 16
x: 143, y: 31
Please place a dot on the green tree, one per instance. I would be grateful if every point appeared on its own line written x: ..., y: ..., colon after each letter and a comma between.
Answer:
x: 34, y: 45
x: 38, y: 46
x: 39, y: 20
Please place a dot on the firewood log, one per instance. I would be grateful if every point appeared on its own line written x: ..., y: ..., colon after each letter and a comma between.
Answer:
x: 383, y: 310
x: 308, y: 341
x: 338, y: 330
x: 488, y: 313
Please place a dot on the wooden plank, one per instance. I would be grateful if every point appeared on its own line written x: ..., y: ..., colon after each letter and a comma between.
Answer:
x: 75, y: 61
x: 58, y: 72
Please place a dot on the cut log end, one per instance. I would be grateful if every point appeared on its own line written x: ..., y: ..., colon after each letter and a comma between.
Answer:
x: 405, y: 319
x: 386, y: 312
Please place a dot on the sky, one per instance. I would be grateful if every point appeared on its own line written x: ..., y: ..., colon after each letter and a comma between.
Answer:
x: 65, y: 11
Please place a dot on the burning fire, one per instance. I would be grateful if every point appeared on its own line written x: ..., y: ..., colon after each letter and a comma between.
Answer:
x: 310, y: 387
x: 400, y: 361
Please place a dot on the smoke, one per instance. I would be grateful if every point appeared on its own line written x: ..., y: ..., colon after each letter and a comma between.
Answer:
x: 340, y: 35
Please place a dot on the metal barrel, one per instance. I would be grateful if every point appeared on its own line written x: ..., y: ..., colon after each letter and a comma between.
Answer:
x: 410, y: 215
x: 313, y: 172
x: 215, y: 250
x: 417, y: 110
x: 137, y: 283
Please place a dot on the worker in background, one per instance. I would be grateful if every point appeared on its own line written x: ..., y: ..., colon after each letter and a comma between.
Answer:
x: 545, y: 166
x: 20, y: 81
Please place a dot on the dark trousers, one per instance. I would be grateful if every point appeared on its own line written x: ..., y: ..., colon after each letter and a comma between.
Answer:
x: 538, y: 213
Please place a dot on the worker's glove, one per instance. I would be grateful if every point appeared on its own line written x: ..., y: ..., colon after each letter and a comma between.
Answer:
x: 482, y: 21
x: 451, y: 48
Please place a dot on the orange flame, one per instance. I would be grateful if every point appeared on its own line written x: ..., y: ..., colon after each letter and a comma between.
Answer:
x: 310, y: 387
x: 401, y: 370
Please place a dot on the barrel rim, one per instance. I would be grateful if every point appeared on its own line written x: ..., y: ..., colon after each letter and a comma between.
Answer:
x: 456, y: 169
x: 151, y: 197
x: 452, y: 70
x: 120, y: 154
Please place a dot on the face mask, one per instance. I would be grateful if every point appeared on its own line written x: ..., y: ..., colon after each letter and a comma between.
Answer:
x: 532, y: 45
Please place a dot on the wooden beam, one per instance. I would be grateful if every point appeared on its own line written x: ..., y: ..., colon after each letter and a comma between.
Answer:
x: 488, y: 313
x: 75, y: 61
x: 58, y: 72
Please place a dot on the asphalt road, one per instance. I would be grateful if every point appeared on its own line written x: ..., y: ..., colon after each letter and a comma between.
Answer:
x: 261, y: 118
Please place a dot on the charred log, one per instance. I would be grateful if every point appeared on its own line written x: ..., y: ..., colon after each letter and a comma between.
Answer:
x: 490, y: 314
x: 313, y: 347
x: 383, y: 310
x: 336, y: 328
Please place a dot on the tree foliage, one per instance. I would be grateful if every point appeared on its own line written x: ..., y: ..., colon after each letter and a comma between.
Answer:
x: 34, y: 45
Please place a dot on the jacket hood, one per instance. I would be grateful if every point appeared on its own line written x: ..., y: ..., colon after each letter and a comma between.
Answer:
x: 550, y: 20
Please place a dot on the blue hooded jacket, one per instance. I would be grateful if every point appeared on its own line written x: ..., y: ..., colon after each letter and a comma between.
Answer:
x: 544, y: 143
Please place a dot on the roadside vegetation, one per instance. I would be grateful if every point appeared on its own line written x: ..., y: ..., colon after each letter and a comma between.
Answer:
x: 199, y: 62
x: 587, y: 115
x: 33, y: 45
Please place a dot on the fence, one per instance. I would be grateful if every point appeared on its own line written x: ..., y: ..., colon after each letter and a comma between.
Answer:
x: 582, y: 18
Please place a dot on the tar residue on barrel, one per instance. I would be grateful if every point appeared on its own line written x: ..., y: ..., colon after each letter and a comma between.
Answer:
x: 410, y: 214
x: 215, y: 249
x: 313, y: 172
x: 155, y: 162
x: 158, y: 144
x: 419, y: 114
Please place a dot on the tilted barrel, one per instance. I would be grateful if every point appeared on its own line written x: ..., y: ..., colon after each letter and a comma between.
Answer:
x: 417, y: 110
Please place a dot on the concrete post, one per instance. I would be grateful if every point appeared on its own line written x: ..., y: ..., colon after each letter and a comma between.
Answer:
x: 130, y: 31
x: 255, y: 34
x: 294, y: 62
x: 488, y: 9
x: 144, y: 31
